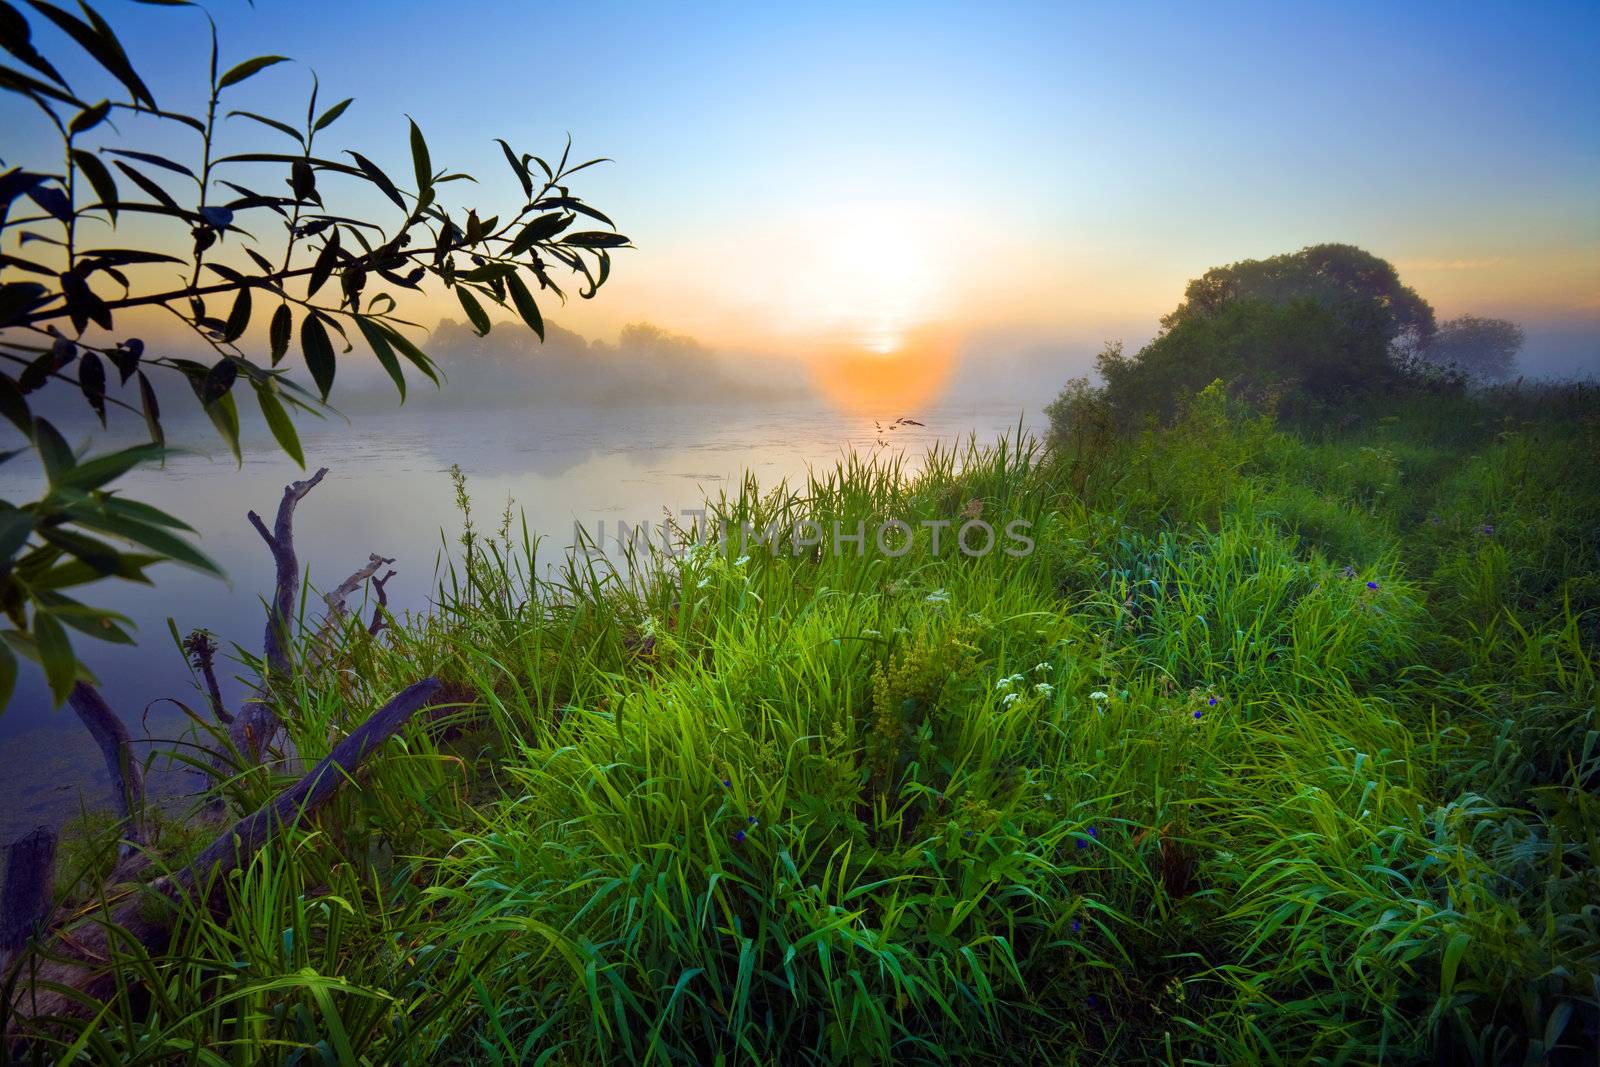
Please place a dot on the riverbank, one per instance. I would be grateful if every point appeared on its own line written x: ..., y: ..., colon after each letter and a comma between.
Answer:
x: 1270, y: 747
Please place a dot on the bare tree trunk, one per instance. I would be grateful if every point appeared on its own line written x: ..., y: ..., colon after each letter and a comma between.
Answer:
x: 256, y: 726
x: 127, y: 784
x: 25, y: 904
x: 81, y: 961
x: 280, y: 540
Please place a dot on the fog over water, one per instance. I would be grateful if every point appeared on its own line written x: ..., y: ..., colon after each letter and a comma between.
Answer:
x: 388, y: 491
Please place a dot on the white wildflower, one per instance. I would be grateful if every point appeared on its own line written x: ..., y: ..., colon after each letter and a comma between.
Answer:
x: 1099, y: 694
x: 1044, y: 687
x: 938, y: 596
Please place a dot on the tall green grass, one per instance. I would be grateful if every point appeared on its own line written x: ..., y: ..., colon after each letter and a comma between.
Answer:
x: 1269, y: 752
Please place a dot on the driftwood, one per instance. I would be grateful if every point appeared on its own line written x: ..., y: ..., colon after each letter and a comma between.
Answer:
x: 127, y: 784
x: 338, y: 602
x: 25, y: 903
x: 80, y: 959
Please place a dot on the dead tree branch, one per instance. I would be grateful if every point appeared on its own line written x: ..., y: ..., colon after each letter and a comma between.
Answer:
x: 280, y: 540
x: 127, y: 783
x: 81, y: 960
x: 336, y: 600
x: 382, y: 608
x: 252, y: 732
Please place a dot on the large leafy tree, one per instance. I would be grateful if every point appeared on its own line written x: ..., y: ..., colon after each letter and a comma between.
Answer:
x: 1306, y: 334
x: 270, y: 281
x: 1363, y: 290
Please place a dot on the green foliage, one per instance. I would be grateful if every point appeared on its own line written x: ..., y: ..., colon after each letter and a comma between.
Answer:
x: 1356, y: 286
x: 63, y: 310
x: 1311, y: 336
x: 1187, y: 784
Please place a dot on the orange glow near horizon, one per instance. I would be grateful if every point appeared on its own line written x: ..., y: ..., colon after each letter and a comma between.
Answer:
x: 901, y: 377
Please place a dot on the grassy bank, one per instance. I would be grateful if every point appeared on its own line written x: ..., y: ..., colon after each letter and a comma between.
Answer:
x: 1275, y: 748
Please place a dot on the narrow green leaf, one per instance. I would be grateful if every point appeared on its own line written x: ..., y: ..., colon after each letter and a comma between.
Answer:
x: 279, y: 423
x: 55, y: 655
x: 281, y: 127
x: 218, y: 381
x: 417, y: 356
x: 330, y: 116
x: 526, y: 306
x: 53, y: 450
x: 322, y: 268
x: 105, y: 187
x: 594, y: 239
x: 152, y: 410
x: 474, y: 310
x: 16, y: 526
x: 248, y: 68
x: 519, y: 168
x: 102, y: 470
x: 377, y: 177
x: 318, y: 352
x: 420, y: 159
x: 239, y: 317
x: 541, y: 228
x: 385, y: 352
x: 96, y: 38
x: 139, y: 511
x: 224, y: 415
x: 278, y: 332
x: 154, y: 538
x: 89, y: 118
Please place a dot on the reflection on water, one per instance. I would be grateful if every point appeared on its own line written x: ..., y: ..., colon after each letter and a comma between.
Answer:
x: 387, y: 492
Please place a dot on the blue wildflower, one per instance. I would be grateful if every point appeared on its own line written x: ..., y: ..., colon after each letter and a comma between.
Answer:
x: 1372, y: 585
x: 1082, y: 843
x: 1076, y: 926
x: 1093, y: 832
x: 751, y: 819
x: 1198, y: 714
x: 738, y: 836
x: 1212, y: 701
x: 727, y: 783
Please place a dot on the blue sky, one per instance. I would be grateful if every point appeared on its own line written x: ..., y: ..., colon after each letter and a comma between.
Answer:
x: 822, y: 170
